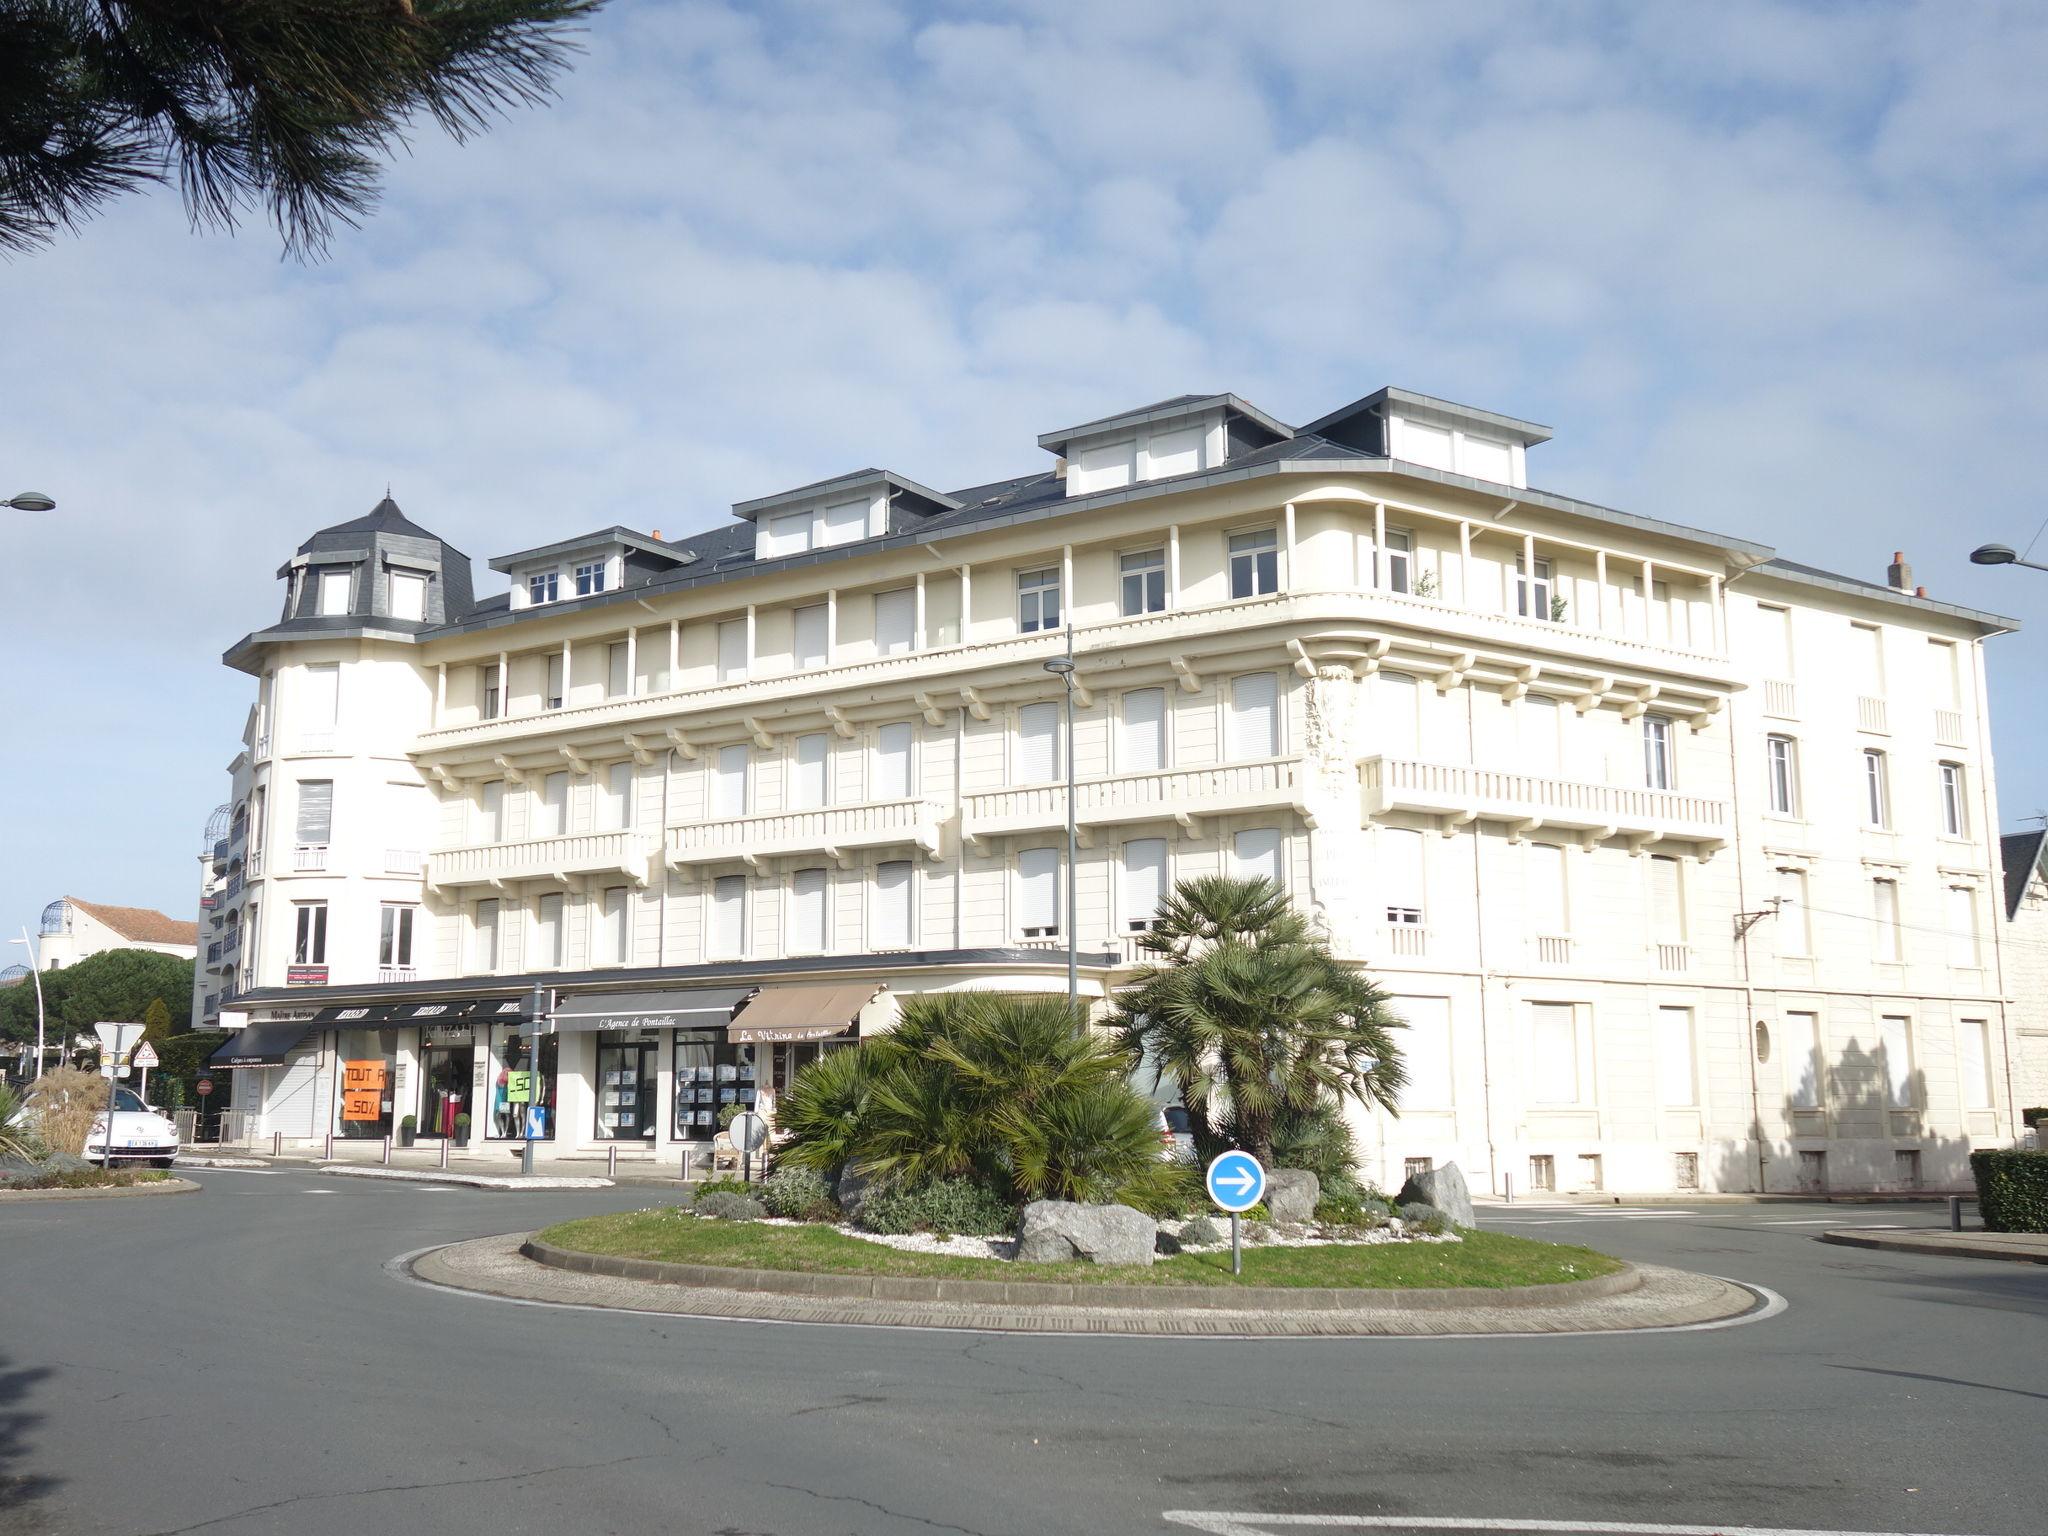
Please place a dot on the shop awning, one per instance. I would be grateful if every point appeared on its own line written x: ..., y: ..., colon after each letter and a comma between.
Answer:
x: 261, y: 1045
x: 460, y: 1010
x: 703, y: 1008
x: 779, y: 1015
x: 357, y: 1016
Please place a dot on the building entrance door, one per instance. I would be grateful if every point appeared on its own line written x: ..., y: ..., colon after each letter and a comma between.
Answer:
x: 625, y: 1091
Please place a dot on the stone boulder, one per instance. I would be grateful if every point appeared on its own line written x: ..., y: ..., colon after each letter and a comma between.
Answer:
x: 851, y: 1191
x: 1055, y: 1231
x: 1443, y: 1188
x: 1291, y: 1195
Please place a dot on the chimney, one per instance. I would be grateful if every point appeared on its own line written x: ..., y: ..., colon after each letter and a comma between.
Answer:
x: 1901, y: 574
x: 657, y: 535
x: 1919, y: 591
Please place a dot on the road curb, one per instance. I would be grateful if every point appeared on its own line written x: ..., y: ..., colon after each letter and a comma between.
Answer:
x: 1040, y: 1293
x: 1952, y: 1245
x: 472, y: 1180
x: 154, y: 1187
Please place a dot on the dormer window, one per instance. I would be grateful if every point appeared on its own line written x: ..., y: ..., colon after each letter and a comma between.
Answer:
x: 408, y: 596
x: 336, y: 586
x: 544, y: 586
x: 590, y: 578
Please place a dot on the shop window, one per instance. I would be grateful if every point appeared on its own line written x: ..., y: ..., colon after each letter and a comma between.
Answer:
x: 513, y: 1089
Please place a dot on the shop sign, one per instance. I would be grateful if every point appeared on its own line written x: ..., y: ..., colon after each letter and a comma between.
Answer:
x: 305, y: 976
x: 786, y: 1034
x: 446, y: 1032
x: 518, y: 1087
x: 284, y: 1015
x: 362, y: 1089
x: 350, y: 1015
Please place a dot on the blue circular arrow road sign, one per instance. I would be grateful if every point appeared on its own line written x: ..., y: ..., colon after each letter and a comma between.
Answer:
x: 1236, y: 1181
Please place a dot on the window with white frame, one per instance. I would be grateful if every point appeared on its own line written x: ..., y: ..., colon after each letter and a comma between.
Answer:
x: 1143, y: 575
x: 1667, y: 900
x: 1142, y: 748
x: 590, y: 578
x: 786, y: 534
x: 337, y: 587
x: 615, y: 798
x: 896, y: 621
x: 615, y: 927
x: 316, y: 813
x: 809, y: 765
x: 1173, y: 453
x: 543, y: 587
x: 1105, y: 467
x: 807, y: 912
x: 1554, y: 1053
x: 1973, y: 1061
x: 1398, y: 560
x: 309, y: 947
x: 809, y: 625
x: 725, y: 933
x: 842, y: 523
x: 1955, y: 818
x: 1677, y: 1068
x: 1038, y: 744
x: 1781, y: 774
x: 485, y: 951
x: 1795, y: 937
x: 1038, y: 599
x: 1776, y: 624
x: 1254, y: 563
x: 1896, y: 1030
x: 394, y: 934
x: 1426, y: 1051
x: 1038, y: 893
x: 1658, y: 768
x: 732, y: 650
x: 1255, y: 855
x: 729, y: 780
x: 618, y: 677
x: 1254, y: 717
x: 1963, y: 950
x: 1884, y: 920
x: 1877, y: 796
x: 1399, y: 715
x: 408, y: 595
x: 893, y: 778
x: 1542, y: 727
x: 1805, y: 1060
x: 1401, y: 869
x: 1946, y: 663
x: 1142, y: 883
x: 320, y: 697
x: 491, y: 681
x: 1869, y: 645
x: 890, y: 905
x: 547, y: 933
x: 551, y: 810
x: 555, y: 697
x: 491, y: 812
x: 1532, y: 598
x: 1548, y: 895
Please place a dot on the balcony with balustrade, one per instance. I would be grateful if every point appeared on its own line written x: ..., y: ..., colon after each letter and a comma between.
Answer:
x: 564, y: 860
x: 1529, y: 803
x: 1182, y: 795
x: 837, y: 832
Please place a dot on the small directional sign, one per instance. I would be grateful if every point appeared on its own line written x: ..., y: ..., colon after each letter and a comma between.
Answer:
x: 1236, y: 1182
x: 145, y: 1055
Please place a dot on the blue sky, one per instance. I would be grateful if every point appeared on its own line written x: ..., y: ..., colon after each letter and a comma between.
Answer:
x: 1779, y: 272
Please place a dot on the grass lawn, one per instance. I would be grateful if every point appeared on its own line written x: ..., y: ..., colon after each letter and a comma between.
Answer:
x: 1486, y: 1259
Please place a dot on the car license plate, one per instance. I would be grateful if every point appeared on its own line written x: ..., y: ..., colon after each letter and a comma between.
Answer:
x: 133, y: 1143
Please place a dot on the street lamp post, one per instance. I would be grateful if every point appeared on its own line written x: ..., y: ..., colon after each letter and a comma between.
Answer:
x: 1063, y: 668
x: 2000, y: 554
x: 35, y: 967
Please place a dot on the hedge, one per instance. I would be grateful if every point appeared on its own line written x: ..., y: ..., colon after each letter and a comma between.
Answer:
x: 2012, y: 1190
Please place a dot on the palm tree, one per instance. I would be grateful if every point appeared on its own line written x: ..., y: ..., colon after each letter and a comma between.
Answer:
x: 1244, y: 1001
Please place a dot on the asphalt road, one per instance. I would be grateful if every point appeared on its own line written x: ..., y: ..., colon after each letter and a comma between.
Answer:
x: 242, y: 1361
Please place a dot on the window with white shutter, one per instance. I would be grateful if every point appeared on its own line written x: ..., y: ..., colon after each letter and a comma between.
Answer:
x: 484, y: 949
x: 618, y: 680
x: 1401, y: 860
x: 547, y: 933
x: 1805, y: 1059
x: 1884, y: 918
x: 1256, y: 854
x: 807, y: 777
x: 844, y: 523
x: 1667, y: 900
x: 615, y: 934
x: 1554, y: 1053
x: 615, y: 798
x: 896, y: 621
x: 807, y: 912
x: 1677, y: 1074
x: 1549, y: 911
x: 1962, y: 926
x: 1425, y: 1051
x: 1038, y: 892
x: 1254, y: 716
x: 809, y: 644
x: 1398, y: 715
x: 725, y: 938
x: 729, y: 781
x: 491, y: 812
x: 316, y: 812
x: 732, y: 651
x: 1143, y: 884
x: 320, y: 697
x: 1038, y: 744
x: 1542, y: 738
x: 1795, y: 937
x: 1973, y: 1061
x: 889, y: 901
x: 892, y: 779
x: 1897, y: 1033
x: 1144, y: 740
x: 551, y: 818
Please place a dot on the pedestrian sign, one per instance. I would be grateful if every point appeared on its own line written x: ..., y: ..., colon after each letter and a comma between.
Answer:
x: 1236, y: 1182
x: 145, y: 1055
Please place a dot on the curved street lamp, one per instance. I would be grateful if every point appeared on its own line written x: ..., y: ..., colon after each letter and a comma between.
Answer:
x: 30, y: 501
x: 2001, y: 554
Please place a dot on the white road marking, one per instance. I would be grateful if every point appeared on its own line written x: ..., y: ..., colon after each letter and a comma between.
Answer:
x: 1218, y: 1522
x: 319, y: 1191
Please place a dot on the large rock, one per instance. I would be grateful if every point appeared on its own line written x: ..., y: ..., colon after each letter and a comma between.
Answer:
x: 851, y: 1191
x: 1056, y: 1231
x: 1291, y: 1195
x: 1443, y: 1188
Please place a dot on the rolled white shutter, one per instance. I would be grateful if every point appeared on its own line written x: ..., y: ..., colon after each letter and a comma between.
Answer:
x: 729, y: 782
x: 1401, y: 848
x: 728, y: 915
x: 1144, y: 730
x: 844, y: 523
x: 892, y: 762
x: 1038, y: 738
x: 1144, y: 882
x: 494, y: 811
x: 732, y: 650
x: 810, y: 636
x: 316, y: 810
x: 1667, y: 909
x: 807, y: 790
x: 1254, y: 716
x: 892, y: 905
x: 618, y: 682
x: 1038, y: 888
x: 615, y: 798
x: 554, y: 805
x: 322, y: 695
x: 895, y: 621
x: 1257, y: 854
x: 807, y: 911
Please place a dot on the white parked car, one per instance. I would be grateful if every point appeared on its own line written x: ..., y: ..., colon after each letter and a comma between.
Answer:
x: 141, y: 1133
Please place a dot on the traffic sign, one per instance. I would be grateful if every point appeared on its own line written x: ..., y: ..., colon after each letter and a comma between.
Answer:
x: 205, y: 1087
x: 145, y: 1055
x: 748, y: 1130
x: 1236, y: 1182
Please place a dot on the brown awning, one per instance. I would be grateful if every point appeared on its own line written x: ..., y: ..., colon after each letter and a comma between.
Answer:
x: 779, y: 1015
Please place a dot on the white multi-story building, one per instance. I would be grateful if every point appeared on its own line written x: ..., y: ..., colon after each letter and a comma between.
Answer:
x: 2026, y: 942
x: 1678, y: 859
x: 73, y: 930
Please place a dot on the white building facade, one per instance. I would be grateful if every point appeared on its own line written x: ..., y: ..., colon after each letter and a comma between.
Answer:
x: 1678, y: 860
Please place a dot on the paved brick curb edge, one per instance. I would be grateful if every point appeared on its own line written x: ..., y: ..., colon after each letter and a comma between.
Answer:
x: 157, y: 1187
x: 1149, y: 1298
x: 1933, y: 1243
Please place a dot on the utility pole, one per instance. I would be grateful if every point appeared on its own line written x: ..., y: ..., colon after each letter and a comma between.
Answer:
x: 1063, y: 668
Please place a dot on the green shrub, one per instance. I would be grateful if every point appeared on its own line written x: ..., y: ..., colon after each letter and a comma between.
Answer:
x: 1165, y: 1188
x: 2012, y: 1189
x: 2032, y: 1117
x: 726, y: 1186
x: 1201, y: 1233
x: 943, y: 1206
x: 85, y: 1178
x: 724, y: 1205
x: 799, y: 1194
x: 1342, y: 1209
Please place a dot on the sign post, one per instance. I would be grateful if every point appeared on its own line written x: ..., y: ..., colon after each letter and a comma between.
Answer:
x: 541, y: 1007
x: 748, y: 1131
x: 1236, y: 1183
x: 116, y: 1041
x: 144, y: 1058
